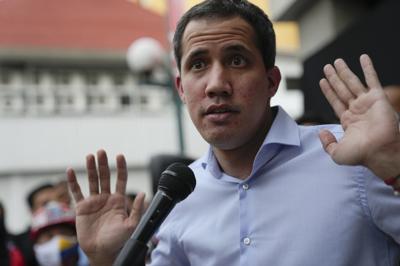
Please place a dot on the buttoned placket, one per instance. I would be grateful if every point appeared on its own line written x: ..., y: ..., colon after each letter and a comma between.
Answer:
x: 245, y: 238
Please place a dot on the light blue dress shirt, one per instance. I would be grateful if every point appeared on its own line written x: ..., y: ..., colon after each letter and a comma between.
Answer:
x: 297, y: 207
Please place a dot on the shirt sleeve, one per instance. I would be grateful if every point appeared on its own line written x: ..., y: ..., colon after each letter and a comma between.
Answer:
x: 383, y: 205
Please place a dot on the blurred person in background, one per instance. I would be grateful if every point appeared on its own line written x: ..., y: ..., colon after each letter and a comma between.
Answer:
x: 10, y: 255
x: 61, y: 193
x: 36, y: 198
x: 39, y: 196
x: 54, y: 236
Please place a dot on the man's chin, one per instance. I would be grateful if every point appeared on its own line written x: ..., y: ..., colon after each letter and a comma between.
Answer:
x: 223, y: 143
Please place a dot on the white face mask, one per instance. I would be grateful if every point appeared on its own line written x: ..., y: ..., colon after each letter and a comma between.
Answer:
x: 53, y: 252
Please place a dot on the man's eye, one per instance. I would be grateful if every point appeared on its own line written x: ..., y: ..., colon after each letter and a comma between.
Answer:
x: 196, y: 65
x: 238, y: 60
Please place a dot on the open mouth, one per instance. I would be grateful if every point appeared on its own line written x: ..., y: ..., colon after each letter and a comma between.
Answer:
x: 220, y: 113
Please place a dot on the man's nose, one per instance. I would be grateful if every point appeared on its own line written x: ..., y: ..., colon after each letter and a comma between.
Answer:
x: 219, y: 82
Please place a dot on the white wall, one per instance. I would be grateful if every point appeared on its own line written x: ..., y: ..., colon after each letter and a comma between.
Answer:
x: 63, y: 141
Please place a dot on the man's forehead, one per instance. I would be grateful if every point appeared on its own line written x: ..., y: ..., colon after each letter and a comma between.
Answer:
x: 217, y: 30
x: 217, y: 23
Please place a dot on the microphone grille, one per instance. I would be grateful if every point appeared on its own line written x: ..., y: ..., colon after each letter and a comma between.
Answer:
x: 177, y: 181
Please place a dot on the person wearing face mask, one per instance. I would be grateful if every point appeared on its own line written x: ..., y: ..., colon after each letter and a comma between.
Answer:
x: 54, y: 236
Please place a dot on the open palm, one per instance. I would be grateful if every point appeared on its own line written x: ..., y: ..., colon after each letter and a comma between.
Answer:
x: 102, y: 221
x: 371, y: 128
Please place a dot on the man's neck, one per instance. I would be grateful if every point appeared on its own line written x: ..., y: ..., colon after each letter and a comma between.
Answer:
x: 239, y: 162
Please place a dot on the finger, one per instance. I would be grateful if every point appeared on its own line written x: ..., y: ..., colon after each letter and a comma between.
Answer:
x: 92, y: 174
x: 74, y: 186
x: 137, y: 209
x: 337, y: 84
x: 122, y: 175
x: 338, y: 106
x: 371, y: 77
x: 328, y: 141
x: 104, y: 171
x: 351, y: 81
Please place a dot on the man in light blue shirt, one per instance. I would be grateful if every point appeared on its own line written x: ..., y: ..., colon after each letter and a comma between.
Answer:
x: 297, y: 207
x: 268, y: 192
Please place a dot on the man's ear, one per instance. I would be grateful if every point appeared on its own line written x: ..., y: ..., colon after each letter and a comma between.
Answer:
x: 179, y: 88
x: 274, y: 78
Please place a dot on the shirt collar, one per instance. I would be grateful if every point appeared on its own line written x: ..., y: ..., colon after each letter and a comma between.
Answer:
x: 284, y: 131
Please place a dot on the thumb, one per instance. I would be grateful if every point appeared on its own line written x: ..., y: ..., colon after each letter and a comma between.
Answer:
x: 137, y: 209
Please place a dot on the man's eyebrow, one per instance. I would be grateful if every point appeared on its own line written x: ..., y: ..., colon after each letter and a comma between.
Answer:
x: 196, y: 53
x: 236, y: 48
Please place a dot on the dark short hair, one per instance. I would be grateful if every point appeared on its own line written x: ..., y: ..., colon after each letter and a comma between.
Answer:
x: 258, y: 20
x: 36, y: 190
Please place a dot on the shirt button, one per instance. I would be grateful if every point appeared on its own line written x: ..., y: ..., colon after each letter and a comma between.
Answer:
x: 246, y: 241
x: 245, y: 186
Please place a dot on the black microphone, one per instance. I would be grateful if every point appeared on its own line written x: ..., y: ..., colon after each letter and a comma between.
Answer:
x: 175, y: 184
